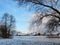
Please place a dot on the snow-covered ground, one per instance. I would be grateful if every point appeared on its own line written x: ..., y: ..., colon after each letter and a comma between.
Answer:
x: 30, y: 40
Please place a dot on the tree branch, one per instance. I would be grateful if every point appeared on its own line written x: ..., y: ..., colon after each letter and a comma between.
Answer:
x: 48, y: 7
x: 51, y: 15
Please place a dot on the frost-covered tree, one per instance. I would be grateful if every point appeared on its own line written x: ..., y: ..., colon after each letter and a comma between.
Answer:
x: 45, y: 22
x: 45, y: 6
x: 35, y: 22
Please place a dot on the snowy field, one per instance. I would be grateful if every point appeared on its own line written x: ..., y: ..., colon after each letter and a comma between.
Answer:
x: 30, y: 40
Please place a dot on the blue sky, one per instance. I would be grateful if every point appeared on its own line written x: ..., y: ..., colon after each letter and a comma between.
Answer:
x: 21, y: 14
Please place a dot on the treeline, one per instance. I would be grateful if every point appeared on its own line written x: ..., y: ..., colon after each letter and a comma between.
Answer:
x: 7, y: 26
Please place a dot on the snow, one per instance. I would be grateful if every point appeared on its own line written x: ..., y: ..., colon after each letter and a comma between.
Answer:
x: 29, y: 40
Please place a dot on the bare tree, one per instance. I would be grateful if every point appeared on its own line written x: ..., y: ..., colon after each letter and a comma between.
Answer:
x: 7, y: 25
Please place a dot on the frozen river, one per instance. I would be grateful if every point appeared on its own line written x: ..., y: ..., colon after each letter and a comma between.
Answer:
x: 30, y: 40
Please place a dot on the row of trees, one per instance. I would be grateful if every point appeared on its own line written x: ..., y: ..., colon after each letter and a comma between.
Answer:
x: 7, y: 25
